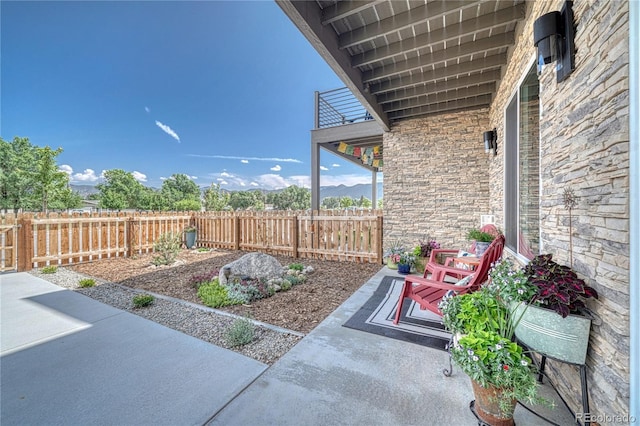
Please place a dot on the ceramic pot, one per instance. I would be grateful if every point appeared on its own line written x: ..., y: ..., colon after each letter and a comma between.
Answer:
x: 481, y: 248
x: 404, y: 268
x: 191, y: 239
x: 487, y: 407
x: 391, y: 264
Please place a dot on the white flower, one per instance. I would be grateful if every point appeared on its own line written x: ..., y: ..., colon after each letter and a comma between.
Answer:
x: 475, y: 358
x: 523, y: 362
x: 498, y: 346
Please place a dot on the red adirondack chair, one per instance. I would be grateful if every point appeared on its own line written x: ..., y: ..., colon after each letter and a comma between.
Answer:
x: 428, y: 293
x: 437, y: 269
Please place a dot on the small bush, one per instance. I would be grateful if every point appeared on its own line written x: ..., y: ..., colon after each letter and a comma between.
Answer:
x: 214, y: 295
x: 142, y: 300
x: 296, y: 279
x: 203, y: 250
x: 167, y: 248
x: 197, y: 280
x: 87, y: 282
x: 296, y: 266
x: 286, y: 284
x: 51, y: 269
x: 241, y: 332
x: 246, y: 291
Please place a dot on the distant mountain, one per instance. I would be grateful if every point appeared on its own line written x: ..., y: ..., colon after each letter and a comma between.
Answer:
x: 355, y: 191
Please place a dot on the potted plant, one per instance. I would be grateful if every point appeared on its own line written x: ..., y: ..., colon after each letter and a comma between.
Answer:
x: 190, y: 236
x: 405, y: 262
x: 482, y: 240
x: 422, y: 252
x: 554, y: 322
x: 484, y: 323
x: 392, y: 254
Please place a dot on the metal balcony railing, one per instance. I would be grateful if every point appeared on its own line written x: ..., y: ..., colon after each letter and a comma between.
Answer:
x: 337, y: 107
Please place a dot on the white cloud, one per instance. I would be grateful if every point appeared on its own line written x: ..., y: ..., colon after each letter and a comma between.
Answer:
x: 231, y: 157
x: 225, y: 174
x: 168, y: 130
x: 335, y: 165
x: 276, y: 168
x: 220, y: 179
x: 223, y: 182
x: 140, y: 177
x: 147, y: 109
x: 254, y: 184
x: 347, y: 180
x: 244, y: 161
x: 193, y: 177
x: 87, y: 175
x: 323, y: 168
x: 163, y: 178
x: 243, y: 184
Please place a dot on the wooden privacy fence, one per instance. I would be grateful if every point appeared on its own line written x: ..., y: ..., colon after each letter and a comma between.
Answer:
x: 34, y: 240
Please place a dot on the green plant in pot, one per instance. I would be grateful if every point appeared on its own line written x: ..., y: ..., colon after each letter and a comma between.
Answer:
x: 484, y: 323
x: 558, y: 307
x: 405, y: 261
x: 482, y: 240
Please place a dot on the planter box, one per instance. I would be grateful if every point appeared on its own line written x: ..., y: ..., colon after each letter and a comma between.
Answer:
x: 546, y: 332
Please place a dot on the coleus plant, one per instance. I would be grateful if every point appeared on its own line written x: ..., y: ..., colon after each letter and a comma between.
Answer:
x: 559, y: 288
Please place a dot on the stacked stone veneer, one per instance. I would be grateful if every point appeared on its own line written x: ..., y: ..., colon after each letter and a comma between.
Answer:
x: 436, y: 178
x: 438, y: 181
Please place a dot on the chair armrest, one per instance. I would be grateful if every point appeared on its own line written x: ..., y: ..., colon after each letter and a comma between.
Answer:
x: 416, y: 279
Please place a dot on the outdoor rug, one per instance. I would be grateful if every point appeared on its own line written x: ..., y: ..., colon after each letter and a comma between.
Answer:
x: 416, y: 326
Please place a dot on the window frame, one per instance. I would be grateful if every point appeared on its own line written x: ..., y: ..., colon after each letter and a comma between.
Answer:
x: 515, y: 97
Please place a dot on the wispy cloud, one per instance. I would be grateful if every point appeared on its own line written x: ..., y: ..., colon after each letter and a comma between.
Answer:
x: 254, y: 184
x: 168, y: 130
x: 147, y: 109
x: 247, y: 159
x: 244, y: 161
x: 276, y: 168
x: 335, y: 165
x: 323, y: 168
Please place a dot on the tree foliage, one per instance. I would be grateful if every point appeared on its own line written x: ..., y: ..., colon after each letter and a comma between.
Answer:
x: 120, y: 190
x: 215, y: 199
x: 292, y: 198
x: 30, y: 178
x: 181, y: 193
x: 244, y: 200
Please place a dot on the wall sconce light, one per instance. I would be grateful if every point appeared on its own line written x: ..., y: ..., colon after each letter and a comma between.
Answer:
x: 491, y: 141
x: 553, y: 35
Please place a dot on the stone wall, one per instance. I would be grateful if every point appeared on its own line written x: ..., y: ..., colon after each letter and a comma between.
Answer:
x: 584, y: 146
x: 436, y: 178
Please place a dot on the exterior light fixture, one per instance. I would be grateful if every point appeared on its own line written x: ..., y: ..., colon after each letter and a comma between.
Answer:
x: 491, y: 141
x: 553, y: 35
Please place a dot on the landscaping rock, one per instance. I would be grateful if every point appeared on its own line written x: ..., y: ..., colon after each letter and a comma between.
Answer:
x: 253, y: 265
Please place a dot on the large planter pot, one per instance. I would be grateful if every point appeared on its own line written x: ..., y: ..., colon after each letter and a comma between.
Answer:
x: 486, y: 406
x: 391, y: 264
x: 546, y: 332
x: 191, y: 239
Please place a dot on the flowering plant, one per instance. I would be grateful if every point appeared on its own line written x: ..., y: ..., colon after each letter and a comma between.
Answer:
x: 424, y: 248
x: 486, y: 321
x: 394, y: 251
x: 407, y: 258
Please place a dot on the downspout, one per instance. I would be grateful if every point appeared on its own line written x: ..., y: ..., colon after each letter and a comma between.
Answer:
x: 634, y: 209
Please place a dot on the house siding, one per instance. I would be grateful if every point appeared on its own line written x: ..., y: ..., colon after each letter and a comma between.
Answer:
x: 584, y: 146
x: 438, y: 181
x: 436, y: 178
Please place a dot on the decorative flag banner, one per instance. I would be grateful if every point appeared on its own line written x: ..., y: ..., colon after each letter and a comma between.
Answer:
x: 342, y: 147
x: 376, y: 150
x: 365, y: 158
x: 357, y: 151
x: 349, y: 150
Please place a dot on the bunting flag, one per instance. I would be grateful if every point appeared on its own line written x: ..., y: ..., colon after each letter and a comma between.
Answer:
x: 371, y: 156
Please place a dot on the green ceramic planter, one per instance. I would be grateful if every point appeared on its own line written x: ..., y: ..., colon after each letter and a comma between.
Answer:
x: 546, y: 332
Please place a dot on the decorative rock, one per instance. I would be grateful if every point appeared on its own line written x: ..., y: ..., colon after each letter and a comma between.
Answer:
x: 253, y: 265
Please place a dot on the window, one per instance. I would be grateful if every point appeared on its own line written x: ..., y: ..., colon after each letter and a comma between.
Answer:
x: 522, y: 168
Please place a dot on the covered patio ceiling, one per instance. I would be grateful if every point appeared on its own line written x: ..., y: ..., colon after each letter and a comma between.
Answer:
x: 406, y: 58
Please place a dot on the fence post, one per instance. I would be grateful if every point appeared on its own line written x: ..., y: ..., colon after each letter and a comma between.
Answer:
x: 25, y: 245
x: 236, y: 232
x: 130, y: 237
x: 379, y: 238
x: 294, y: 236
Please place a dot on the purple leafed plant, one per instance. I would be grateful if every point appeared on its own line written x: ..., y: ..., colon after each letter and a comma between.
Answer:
x: 559, y: 288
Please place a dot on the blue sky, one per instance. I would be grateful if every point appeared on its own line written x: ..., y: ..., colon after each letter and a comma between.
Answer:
x: 221, y: 91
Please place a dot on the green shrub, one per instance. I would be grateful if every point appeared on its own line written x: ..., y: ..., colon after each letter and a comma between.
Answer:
x: 142, y: 300
x: 286, y: 284
x: 167, y: 248
x: 87, y: 282
x: 214, y: 295
x: 296, y: 266
x: 296, y: 279
x: 241, y: 332
x: 51, y: 269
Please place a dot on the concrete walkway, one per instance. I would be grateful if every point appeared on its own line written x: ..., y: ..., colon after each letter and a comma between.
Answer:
x: 67, y: 359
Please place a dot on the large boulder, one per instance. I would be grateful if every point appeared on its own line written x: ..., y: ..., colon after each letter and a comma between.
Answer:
x: 252, y: 265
